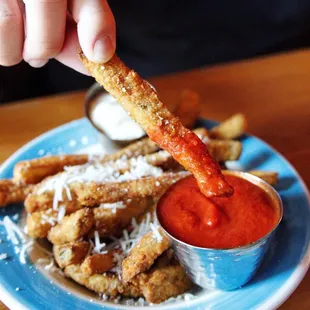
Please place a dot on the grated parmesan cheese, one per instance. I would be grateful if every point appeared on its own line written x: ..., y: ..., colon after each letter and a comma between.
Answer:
x: 98, y: 173
x: 15, y: 216
x: 156, y: 233
x: 114, y: 206
x: 61, y: 213
x: 99, y: 248
x: 49, y: 219
x: 3, y: 256
x: 13, y: 231
x: 24, y: 250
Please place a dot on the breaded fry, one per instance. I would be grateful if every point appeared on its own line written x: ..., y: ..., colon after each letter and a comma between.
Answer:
x: 150, y: 211
x: 11, y: 192
x: 224, y: 150
x: 109, y: 223
x: 156, y: 286
x: 35, y: 170
x: 161, y: 159
x: 98, y: 263
x: 42, y: 195
x: 93, y: 194
x: 72, y: 227
x: 164, y: 259
x: 202, y: 133
x: 161, y: 283
x: 271, y: 177
x: 143, y: 254
x: 40, y: 223
x: 139, y: 148
x: 232, y: 128
x: 188, y: 108
x: 108, y: 284
x: 70, y: 253
x: 142, y: 102
x: 40, y: 202
x: 35, y: 202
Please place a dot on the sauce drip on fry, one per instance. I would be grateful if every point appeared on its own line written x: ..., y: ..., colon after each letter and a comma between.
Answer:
x: 221, y: 223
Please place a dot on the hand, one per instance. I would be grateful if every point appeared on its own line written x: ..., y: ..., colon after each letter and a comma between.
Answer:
x: 38, y: 30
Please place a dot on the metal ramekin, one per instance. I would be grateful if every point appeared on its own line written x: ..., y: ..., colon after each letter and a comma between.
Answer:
x: 227, y: 269
x: 93, y: 92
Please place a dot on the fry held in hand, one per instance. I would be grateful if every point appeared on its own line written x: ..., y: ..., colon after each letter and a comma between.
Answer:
x: 142, y: 102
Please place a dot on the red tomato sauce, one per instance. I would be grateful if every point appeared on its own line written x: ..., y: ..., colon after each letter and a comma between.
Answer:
x: 219, y: 223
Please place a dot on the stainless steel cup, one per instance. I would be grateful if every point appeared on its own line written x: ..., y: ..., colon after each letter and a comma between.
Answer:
x: 227, y: 269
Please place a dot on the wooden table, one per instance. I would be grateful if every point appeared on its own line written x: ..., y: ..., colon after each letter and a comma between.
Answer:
x: 273, y: 92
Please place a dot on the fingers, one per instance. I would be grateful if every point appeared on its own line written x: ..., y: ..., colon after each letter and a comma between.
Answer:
x: 11, y: 33
x: 96, y: 28
x: 68, y: 55
x: 45, y: 30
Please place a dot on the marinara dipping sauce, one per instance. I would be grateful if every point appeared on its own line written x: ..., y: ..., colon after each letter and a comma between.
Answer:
x: 218, y: 223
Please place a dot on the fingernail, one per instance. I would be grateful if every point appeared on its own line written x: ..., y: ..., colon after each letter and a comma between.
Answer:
x: 103, y: 49
x: 37, y: 63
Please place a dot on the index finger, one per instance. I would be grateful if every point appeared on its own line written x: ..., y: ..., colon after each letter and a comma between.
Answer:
x: 45, y: 30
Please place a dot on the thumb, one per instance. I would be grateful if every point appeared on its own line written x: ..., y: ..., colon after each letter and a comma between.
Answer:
x: 96, y: 28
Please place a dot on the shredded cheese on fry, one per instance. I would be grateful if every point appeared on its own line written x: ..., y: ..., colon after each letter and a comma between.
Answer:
x: 61, y: 213
x: 135, y: 168
x: 114, y: 206
x: 99, y: 248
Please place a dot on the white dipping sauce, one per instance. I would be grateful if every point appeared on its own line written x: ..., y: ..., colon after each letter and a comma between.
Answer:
x: 109, y: 116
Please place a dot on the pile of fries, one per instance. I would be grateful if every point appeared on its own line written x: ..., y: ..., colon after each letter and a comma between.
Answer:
x: 98, y: 211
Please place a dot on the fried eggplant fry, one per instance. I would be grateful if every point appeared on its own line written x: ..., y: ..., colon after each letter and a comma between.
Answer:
x: 164, y: 259
x: 271, y: 177
x: 108, y: 222
x: 98, y: 263
x: 188, y: 108
x: 232, y: 128
x: 143, y: 255
x: 35, y: 170
x: 72, y: 227
x: 70, y: 253
x: 11, y: 192
x: 159, y: 284
x: 142, y: 102
x: 44, y: 201
x: 42, y: 197
x: 108, y: 284
x: 224, y: 150
x: 40, y: 223
x: 93, y: 194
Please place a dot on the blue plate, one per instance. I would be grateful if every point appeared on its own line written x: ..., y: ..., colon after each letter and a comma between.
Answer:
x: 28, y: 286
